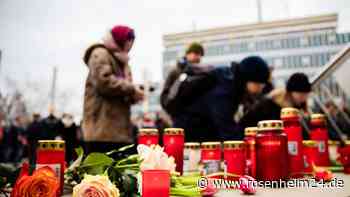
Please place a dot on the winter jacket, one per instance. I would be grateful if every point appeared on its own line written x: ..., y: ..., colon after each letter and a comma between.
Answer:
x: 177, y: 94
x: 268, y: 108
x: 209, y: 115
x: 108, y: 96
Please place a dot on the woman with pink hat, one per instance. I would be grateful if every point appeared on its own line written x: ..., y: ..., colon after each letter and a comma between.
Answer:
x: 109, y: 92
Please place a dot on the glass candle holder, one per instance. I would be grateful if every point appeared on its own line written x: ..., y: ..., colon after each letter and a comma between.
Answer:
x: 249, y: 139
x: 310, y: 155
x: 148, y: 137
x: 235, y: 157
x: 333, y: 147
x: 293, y: 130
x: 271, y: 151
x: 345, y: 157
x: 210, y: 157
x: 51, y: 153
x: 192, y: 157
x: 319, y: 133
x: 174, y: 140
x: 155, y: 183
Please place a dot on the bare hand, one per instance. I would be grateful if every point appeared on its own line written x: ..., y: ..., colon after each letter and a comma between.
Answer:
x: 139, y: 95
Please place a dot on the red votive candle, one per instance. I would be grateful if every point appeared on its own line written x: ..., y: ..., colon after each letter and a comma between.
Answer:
x: 155, y: 183
x: 319, y: 133
x: 210, y: 157
x: 310, y: 155
x: 345, y: 157
x: 51, y: 153
x: 292, y: 127
x: 271, y: 151
x: 148, y: 137
x: 174, y: 140
x: 249, y: 139
x: 235, y: 157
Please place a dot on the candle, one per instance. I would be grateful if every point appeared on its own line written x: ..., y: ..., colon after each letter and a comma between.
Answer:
x: 293, y: 130
x: 235, y: 157
x: 155, y: 183
x: 192, y: 157
x: 319, y: 133
x: 345, y: 157
x: 310, y: 155
x: 148, y: 136
x: 51, y: 153
x: 271, y: 151
x: 333, y: 147
x: 174, y: 140
x: 249, y: 139
x: 210, y: 157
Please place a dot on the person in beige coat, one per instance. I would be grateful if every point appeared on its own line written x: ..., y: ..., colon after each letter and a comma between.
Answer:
x: 109, y: 92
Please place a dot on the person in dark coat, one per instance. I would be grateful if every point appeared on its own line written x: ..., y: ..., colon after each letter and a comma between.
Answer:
x: 68, y: 132
x: 34, y: 132
x: 208, y: 114
x: 294, y: 95
x: 50, y: 126
x: 187, y: 81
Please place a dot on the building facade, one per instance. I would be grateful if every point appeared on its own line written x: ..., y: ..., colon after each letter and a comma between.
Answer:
x: 293, y: 45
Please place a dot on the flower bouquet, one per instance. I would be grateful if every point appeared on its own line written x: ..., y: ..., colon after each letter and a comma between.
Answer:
x: 118, y: 173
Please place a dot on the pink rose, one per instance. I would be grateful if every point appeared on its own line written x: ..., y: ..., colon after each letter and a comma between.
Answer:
x: 97, y: 186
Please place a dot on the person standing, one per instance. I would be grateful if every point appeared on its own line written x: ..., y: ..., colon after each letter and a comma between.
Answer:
x: 186, y: 81
x: 68, y: 132
x: 109, y: 92
x: 34, y: 132
x: 208, y: 113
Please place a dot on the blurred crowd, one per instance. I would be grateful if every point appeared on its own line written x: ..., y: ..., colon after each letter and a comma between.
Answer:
x: 20, y: 131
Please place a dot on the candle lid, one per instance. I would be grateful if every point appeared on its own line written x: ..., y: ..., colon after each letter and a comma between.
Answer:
x: 250, y: 131
x: 333, y: 143
x: 192, y: 145
x: 148, y: 131
x: 211, y: 145
x: 315, y: 118
x: 268, y: 125
x: 310, y: 143
x: 289, y: 112
x: 51, y: 144
x: 234, y: 144
x: 174, y: 131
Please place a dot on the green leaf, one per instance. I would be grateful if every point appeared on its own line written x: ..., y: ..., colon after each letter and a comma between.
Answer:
x: 96, y: 163
x: 97, y: 159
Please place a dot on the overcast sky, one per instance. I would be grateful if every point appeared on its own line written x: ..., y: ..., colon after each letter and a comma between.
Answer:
x: 36, y: 35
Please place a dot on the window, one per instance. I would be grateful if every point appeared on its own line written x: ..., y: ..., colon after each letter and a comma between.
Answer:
x: 169, y: 55
x: 278, y: 62
x: 304, y: 41
x: 305, y: 60
x: 323, y: 39
x: 276, y: 44
x: 340, y: 38
x: 332, y: 39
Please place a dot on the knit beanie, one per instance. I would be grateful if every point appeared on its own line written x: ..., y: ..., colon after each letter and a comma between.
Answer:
x: 254, y: 68
x: 121, y: 34
x: 298, y: 82
x: 195, y: 47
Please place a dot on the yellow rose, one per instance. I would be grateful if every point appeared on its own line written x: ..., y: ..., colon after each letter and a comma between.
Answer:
x: 99, y: 186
